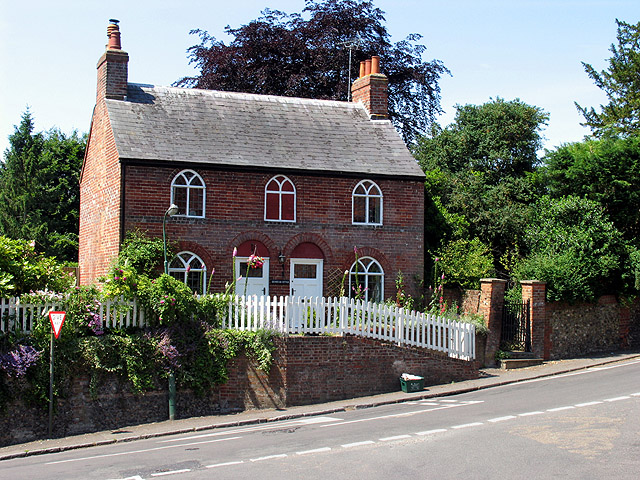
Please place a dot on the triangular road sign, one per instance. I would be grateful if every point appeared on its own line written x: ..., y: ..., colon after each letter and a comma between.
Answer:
x: 57, y: 319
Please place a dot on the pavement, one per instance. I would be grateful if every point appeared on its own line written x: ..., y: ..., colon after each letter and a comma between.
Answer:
x: 489, y: 377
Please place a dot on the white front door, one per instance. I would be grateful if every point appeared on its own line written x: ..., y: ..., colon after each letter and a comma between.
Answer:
x: 257, y: 278
x: 306, y: 277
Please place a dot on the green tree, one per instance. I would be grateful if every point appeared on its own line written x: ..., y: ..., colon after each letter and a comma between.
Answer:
x: 39, y: 189
x: 307, y: 56
x: 575, y: 248
x: 621, y: 83
x: 606, y: 171
x: 480, y: 176
x: 499, y: 138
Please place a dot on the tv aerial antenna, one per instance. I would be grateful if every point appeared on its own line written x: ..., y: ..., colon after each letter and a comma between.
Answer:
x: 354, y: 43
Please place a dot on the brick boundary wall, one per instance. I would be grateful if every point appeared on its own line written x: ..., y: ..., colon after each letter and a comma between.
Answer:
x: 306, y: 370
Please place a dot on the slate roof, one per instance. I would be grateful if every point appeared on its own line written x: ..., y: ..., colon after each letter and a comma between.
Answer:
x: 245, y: 130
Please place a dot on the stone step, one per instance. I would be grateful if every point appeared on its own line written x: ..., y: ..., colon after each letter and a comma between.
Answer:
x: 515, y: 354
x: 509, y: 363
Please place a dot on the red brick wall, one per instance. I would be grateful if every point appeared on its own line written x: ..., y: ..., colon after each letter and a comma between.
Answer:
x: 371, y: 90
x: 235, y: 213
x: 306, y: 370
x: 99, y: 201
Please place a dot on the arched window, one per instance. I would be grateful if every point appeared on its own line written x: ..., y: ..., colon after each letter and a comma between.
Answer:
x: 190, y: 269
x: 367, y: 203
x: 280, y: 200
x: 366, y: 280
x: 188, y: 192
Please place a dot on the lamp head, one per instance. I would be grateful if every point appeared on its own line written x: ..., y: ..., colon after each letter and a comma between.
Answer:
x: 172, y: 210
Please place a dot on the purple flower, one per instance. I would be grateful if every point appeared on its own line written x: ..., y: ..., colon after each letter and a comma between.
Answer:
x: 16, y: 362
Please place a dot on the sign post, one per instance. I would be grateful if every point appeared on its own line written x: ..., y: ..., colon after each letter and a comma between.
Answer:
x: 56, y: 319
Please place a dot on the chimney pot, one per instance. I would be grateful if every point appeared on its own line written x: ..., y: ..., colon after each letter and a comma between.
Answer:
x: 361, y: 69
x: 113, y: 33
x: 375, y: 64
x: 367, y: 67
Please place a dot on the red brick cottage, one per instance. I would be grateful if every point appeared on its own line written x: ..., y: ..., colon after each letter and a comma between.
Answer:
x: 300, y: 182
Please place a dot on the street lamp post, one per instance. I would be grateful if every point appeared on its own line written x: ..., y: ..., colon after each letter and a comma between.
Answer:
x: 171, y: 211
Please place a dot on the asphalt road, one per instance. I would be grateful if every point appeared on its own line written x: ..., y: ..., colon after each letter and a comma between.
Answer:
x: 578, y: 425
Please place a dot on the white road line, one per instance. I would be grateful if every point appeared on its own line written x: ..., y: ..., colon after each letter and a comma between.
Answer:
x: 396, y: 415
x: 429, y: 404
x: 257, y: 428
x: 162, y: 474
x: 529, y: 414
x: 432, y: 432
x: 358, y: 444
x: 635, y: 394
x: 396, y: 437
x: 587, y: 404
x: 449, y: 401
x: 133, y: 452
x: 315, y: 450
x: 268, y: 457
x: 616, y: 399
x: 559, y: 409
x: 501, y: 419
x: 467, y: 425
x: 225, y: 464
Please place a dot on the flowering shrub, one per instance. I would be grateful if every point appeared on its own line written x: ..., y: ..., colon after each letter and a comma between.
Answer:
x: 16, y: 362
x: 122, y: 280
x: 169, y: 299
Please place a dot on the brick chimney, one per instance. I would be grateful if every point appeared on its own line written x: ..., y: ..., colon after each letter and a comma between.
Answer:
x: 371, y: 89
x: 113, y: 66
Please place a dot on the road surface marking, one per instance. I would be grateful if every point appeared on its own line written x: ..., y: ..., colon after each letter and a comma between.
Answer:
x: 315, y: 450
x: 161, y: 474
x: 616, y: 399
x: 449, y: 401
x: 396, y: 437
x: 358, y: 444
x: 257, y: 428
x: 432, y: 432
x: 587, y: 404
x: 502, y: 419
x: 225, y: 464
x: 467, y: 425
x: 635, y: 394
x: 529, y: 414
x: 395, y: 415
x: 133, y: 452
x: 268, y: 457
x: 559, y: 409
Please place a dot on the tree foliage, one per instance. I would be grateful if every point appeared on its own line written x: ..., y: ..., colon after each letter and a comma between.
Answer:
x: 621, y: 83
x: 305, y: 55
x: 39, y: 189
x: 574, y: 247
x: 23, y: 269
x: 479, y: 176
x: 499, y: 138
x: 606, y: 171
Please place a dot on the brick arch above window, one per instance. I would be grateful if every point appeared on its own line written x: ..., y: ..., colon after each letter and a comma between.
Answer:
x: 280, y: 200
x: 309, y: 237
x: 188, y: 192
x: 253, y: 236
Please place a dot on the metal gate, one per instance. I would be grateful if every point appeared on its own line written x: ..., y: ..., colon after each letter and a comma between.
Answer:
x: 516, y: 327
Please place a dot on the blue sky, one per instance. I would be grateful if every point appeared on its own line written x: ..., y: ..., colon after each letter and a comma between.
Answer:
x: 527, y: 49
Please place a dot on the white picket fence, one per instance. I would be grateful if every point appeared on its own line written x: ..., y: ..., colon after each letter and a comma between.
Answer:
x: 340, y: 316
x: 17, y: 315
x: 288, y: 315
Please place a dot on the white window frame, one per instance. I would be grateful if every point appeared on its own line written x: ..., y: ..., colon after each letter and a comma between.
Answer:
x: 363, y: 271
x: 186, y: 258
x: 189, y: 187
x: 368, y: 186
x: 281, y: 179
